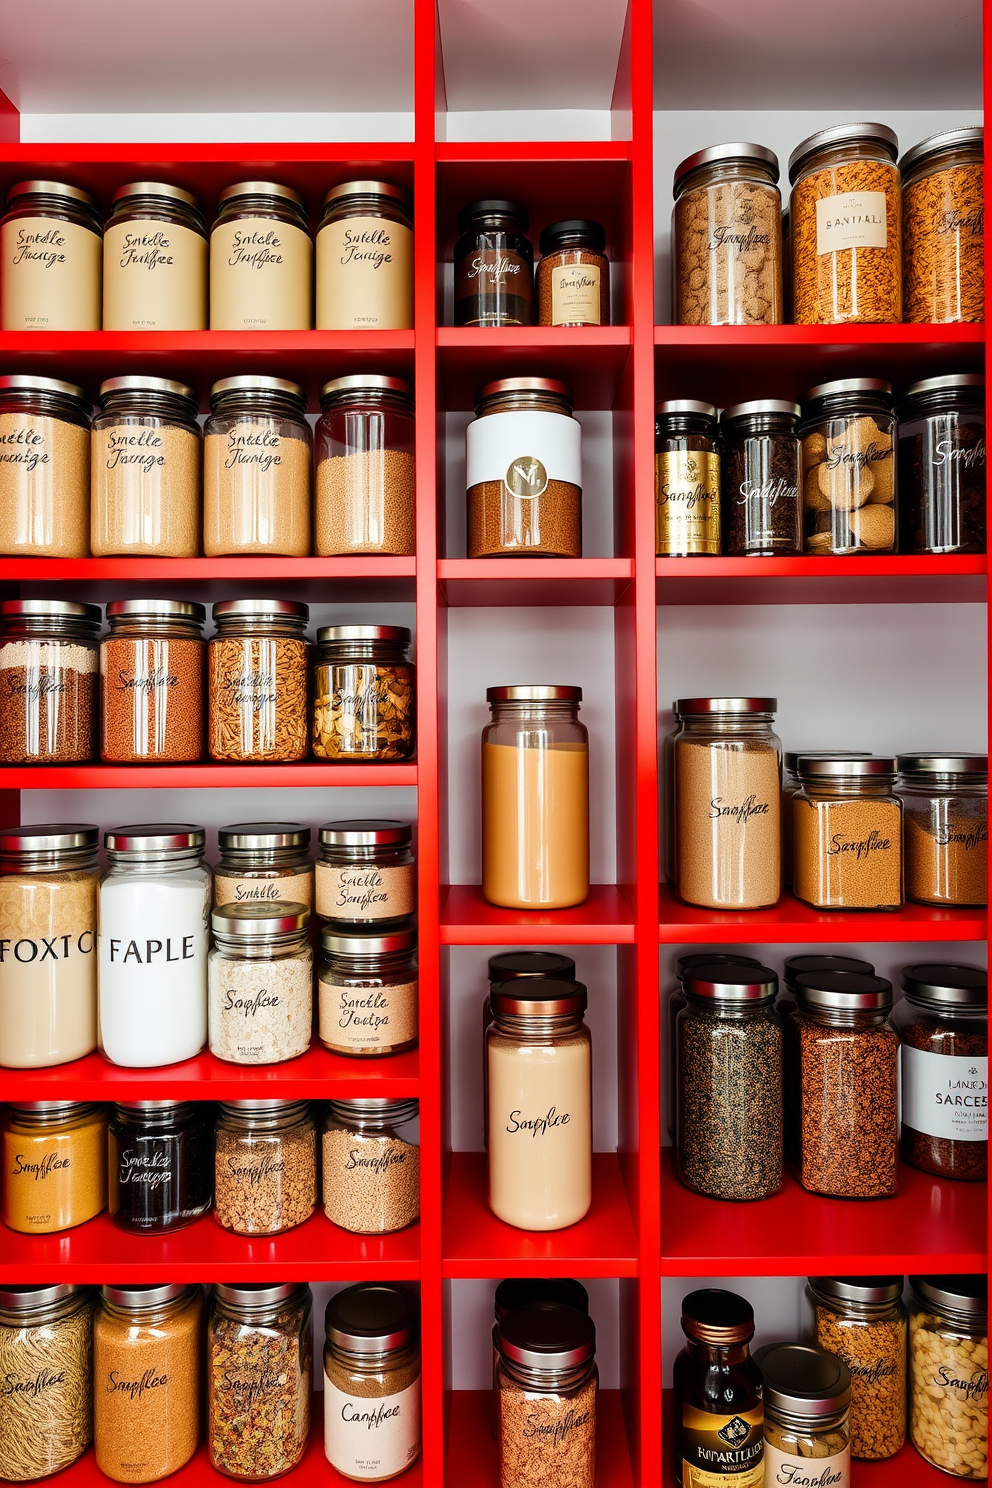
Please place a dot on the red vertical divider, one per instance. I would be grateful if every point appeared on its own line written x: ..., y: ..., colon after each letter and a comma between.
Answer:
x: 10, y: 121
x: 986, y: 104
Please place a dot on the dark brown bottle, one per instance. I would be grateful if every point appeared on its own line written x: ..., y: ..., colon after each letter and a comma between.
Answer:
x: 494, y: 266
x: 719, y: 1412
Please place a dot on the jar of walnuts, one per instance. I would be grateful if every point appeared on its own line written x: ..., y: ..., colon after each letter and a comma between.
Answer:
x: 849, y: 470
x: 363, y: 693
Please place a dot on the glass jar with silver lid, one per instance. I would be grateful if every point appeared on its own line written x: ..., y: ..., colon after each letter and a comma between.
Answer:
x: 258, y: 681
x: 366, y: 874
x: 371, y: 1164
x: 49, y: 656
x: 364, y: 700
x: 261, y: 260
x: 945, y: 807
x: 847, y: 833
x: 727, y: 237
x: 862, y: 1320
x: 46, y: 1338
x: 848, y: 434
x: 152, y: 673
x: 264, y: 863
x: 51, y: 259
x: 686, y: 479
x: 762, y: 479
x: 367, y: 990
x: 145, y: 491
x: 154, y: 260
x: 949, y: 1372
x: 265, y: 1166
x: 807, y: 1395
x: 260, y: 983
x: 943, y: 223
x: 256, y: 468
x: 45, y: 469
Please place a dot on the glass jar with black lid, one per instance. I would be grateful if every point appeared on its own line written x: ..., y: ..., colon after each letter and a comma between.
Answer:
x: 161, y: 1165
x: 719, y: 1416
x: 942, y: 465
x: 372, y: 1381
x: 686, y: 479
x: 264, y: 862
x: 261, y: 260
x: 154, y: 260
x: 51, y: 259
x: 365, y: 258
x: 762, y: 479
x: 546, y: 1373
x: 848, y: 435
x: 363, y: 705
x: 573, y: 277
x: 44, y: 468
x: 494, y: 265
x: 366, y: 874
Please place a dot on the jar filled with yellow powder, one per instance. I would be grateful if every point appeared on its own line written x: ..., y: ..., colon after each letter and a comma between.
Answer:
x: 54, y: 1165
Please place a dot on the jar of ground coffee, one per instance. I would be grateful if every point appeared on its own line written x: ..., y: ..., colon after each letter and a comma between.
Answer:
x: 367, y: 990
x: 146, y: 469
x: 256, y: 468
x: 762, y: 479
x: 261, y: 260
x: 848, y: 435
x: 364, y: 454
x: 942, y: 465
x: 847, y: 826
x: 727, y: 237
x: 154, y: 260
x: 494, y: 266
x: 547, y: 1386
x: 573, y: 277
x: 264, y: 863
x: 49, y: 656
x: 372, y: 1380
x: 807, y: 1396
x: 943, y: 224
x: 44, y: 468
x: 365, y: 258
x: 51, y: 259
x: 258, y: 665
x: 945, y: 811
x: 151, y: 673
x: 366, y: 873
x: 364, y: 701
x: 686, y: 479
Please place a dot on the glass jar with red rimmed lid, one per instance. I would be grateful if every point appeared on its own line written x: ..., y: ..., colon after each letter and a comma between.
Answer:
x: 365, y: 258
x: 51, y: 259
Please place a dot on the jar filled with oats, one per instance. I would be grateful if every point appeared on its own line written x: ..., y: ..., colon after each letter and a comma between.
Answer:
x: 846, y: 218
x: 727, y: 237
x: 51, y: 259
x: 364, y: 451
x: 862, y: 1320
x: 949, y: 1372
x: 807, y: 1428
x: 847, y: 833
x: 263, y: 863
x: 260, y: 983
x: 943, y: 224
x: 154, y: 260
x: 261, y: 260
x: 44, y: 468
x: 256, y: 468
x: 848, y: 435
x: 363, y: 707
x: 146, y: 469
x: 257, y: 680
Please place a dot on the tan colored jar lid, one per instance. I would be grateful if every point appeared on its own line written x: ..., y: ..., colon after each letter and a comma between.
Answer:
x: 259, y: 188
x: 366, y: 188
x: 131, y: 384
x: 50, y: 188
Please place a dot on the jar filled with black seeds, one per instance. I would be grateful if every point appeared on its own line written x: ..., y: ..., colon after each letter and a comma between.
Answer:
x: 942, y: 465
x: 762, y: 479
x: 161, y: 1165
x: 676, y: 1002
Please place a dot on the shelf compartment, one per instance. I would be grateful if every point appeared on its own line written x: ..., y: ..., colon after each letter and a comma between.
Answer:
x: 311, y: 578
x: 889, y: 579
x: 476, y: 1243
x: 482, y: 582
x: 471, y: 1450
x: 592, y: 360
x: 468, y: 919
x: 791, y: 920
x: 308, y: 775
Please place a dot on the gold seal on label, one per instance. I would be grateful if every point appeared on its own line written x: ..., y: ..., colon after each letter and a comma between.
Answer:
x: 526, y: 477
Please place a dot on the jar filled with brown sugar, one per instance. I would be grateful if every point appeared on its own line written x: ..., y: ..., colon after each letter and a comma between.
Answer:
x: 152, y: 675
x: 945, y: 819
x: 686, y: 479
x: 847, y: 833
x: 51, y: 259
x: 862, y: 1320
x: 365, y: 258
x: 494, y: 265
x: 367, y: 990
x: 54, y: 1165
x: 524, y: 471
x: 790, y: 784
x: 154, y: 260
x: 256, y: 468
x: 257, y: 689
x: 364, y: 697
x: 48, y: 681
x: 261, y: 260
x: 727, y: 237
x: 146, y: 451
x: 265, y: 1166
x: 46, y: 1359
x: 372, y: 1420
x: 573, y: 277
x: 364, y: 453
x: 44, y: 468
x: 371, y: 1151
x: 547, y: 1385
x: 943, y: 225
x: 264, y: 863
x: 366, y: 874
x: 848, y: 436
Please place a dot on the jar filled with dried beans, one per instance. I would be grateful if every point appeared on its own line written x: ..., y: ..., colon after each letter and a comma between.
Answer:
x: 258, y: 682
x: 943, y: 224
x: 261, y: 260
x: 847, y: 833
x: 49, y: 656
x: 366, y: 874
x: 848, y: 434
x: 945, y: 815
x: 762, y: 479
x: 152, y: 672
x: 363, y: 707
x: 686, y: 479
x: 154, y: 260
x: 949, y: 1373
x: 44, y: 468
x: 547, y: 1385
x: 942, y: 465
x: 265, y: 1166
x: 365, y: 258
x: 146, y: 469
x: 727, y: 237
x: 862, y: 1320
x: 260, y: 983
x: 807, y: 1427
x: 264, y: 863
x: 494, y: 265
x: 573, y: 277
x: 372, y: 1392
x: 364, y: 481
x: 46, y: 1345
x: 256, y: 468
x: 371, y: 1166
x: 51, y: 259
x: 367, y: 990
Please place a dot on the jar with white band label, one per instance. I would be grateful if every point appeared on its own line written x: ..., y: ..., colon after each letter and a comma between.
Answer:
x: 44, y: 468
x: 51, y: 259
x: 146, y: 452
x: 807, y: 1427
x: 260, y: 983
x: 372, y: 1382
x: 261, y: 260
x: 264, y: 863
x: 154, y: 260
x: 949, y: 1372
x: 371, y: 1167
x: 366, y: 873
x: 686, y: 479
x: 365, y: 258
x: 547, y: 1386
x: 368, y: 990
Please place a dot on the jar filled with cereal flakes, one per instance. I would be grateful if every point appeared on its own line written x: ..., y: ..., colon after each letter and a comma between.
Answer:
x: 260, y: 983
x: 949, y: 1372
x: 257, y: 687
x: 848, y: 434
x: 847, y: 833
x: 256, y: 468
x: 727, y: 237
x: 807, y: 1427
x: 146, y: 469
x: 363, y: 693
x: 862, y: 1320
x: 943, y: 224
x: 44, y: 468
x: 547, y: 1385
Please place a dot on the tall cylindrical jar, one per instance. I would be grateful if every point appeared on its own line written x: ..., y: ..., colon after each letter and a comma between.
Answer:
x: 368, y: 996
x: 363, y: 453
x: 365, y: 258
x: 154, y: 260
x: 257, y: 690
x: 46, y: 1345
x: 762, y: 479
x: 945, y: 815
x: 44, y: 468
x: 547, y: 1385
x: 847, y: 833
x: 256, y: 468
x: 371, y: 1164
x: 848, y: 437
x: 949, y: 1373
x: 494, y: 265
x: 54, y: 1165
x: 265, y: 1166
x: 364, y: 700
x: 366, y: 874
x: 48, y: 681
x: 264, y: 863
x: 942, y: 465
x: 261, y: 260
x: 51, y: 259
x: 807, y: 1397
x: 727, y: 237
x: 152, y: 675
x: 161, y: 1165
x: 676, y: 1002
x: 573, y: 277
x: 260, y: 983
x: 943, y: 224
x: 718, y: 1397
x: 146, y: 469
x: 686, y: 479
x: 862, y: 1320
x: 372, y: 1426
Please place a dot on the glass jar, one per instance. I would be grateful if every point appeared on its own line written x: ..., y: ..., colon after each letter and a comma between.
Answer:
x: 686, y: 479
x: 259, y: 1379
x: 539, y: 1116
x: 154, y: 905
x: 943, y: 224
x: 44, y: 468
x: 790, y: 784
x: 727, y: 237
x: 728, y: 1040
x: 46, y: 1342
x: 494, y: 265
x: 807, y: 1395
x: 945, y: 805
x: 841, y: 1109
x: 367, y: 990
x: 728, y: 772
x: 942, y: 465
x: 372, y: 1382
x: 943, y: 1027
x: 363, y: 705
x: 264, y: 863
x: 507, y: 967
x: 154, y: 260
x: 847, y: 824
x: 161, y: 1165
x: 51, y: 259
x: 55, y: 1165
x: 846, y: 215
x: 546, y: 1383
x: 573, y: 277
x: 265, y: 1166
x: 535, y: 799
x: 862, y: 1320
x: 48, y: 681
x: 718, y: 1410
x: 524, y: 471
x: 366, y: 874
x: 676, y: 1002
x: 256, y: 468
x: 147, y: 1377
x: 261, y: 260
x: 949, y: 1372
x: 258, y: 665
x: 522, y: 1291
x: 849, y: 471
x: 762, y: 479
x: 365, y: 258
x: 151, y: 671
x: 364, y: 451
x: 371, y: 1165
x: 146, y: 469
x: 48, y: 885
x: 260, y: 983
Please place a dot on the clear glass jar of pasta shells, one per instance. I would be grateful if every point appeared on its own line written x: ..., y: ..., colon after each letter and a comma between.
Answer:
x: 949, y: 1372
x: 848, y: 435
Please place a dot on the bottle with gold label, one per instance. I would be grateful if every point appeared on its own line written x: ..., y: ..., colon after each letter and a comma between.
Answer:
x: 720, y: 1417
x: 686, y: 479
x: 365, y: 259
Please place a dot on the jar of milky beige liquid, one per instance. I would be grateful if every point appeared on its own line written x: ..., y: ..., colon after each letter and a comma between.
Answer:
x: 261, y: 260
x: 145, y: 477
x: 256, y: 468
x: 154, y: 260
x: 51, y: 259
x: 44, y: 468
x: 535, y: 799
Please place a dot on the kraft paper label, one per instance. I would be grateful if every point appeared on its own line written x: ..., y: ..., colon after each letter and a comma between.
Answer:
x: 51, y: 273
x: 154, y: 278
x: 364, y: 892
x: 367, y: 1017
x: 364, y: 275
x: 261, y: 272
x: 687, y: 495
x: 295, y: 888
x: 371, y: 1437
x: 524, y: 450
x: 855, y: 219
x: 575, y: 294
x: 945, y: 1095
x: 806, y: 1472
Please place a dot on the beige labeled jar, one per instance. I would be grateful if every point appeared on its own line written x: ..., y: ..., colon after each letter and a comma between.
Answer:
x: 847, y: 834
x: 365, y: 258
x: 145, y: 469
x: 261, y: 260
x: 364, y: 452
x: 256, y: 468
x: 367, y: 990
x: 807, y: 1427
x: 154, y: 260
x: 949, y: 1372
x: 51, y: 259
x: 264, y: 863
x: 44, y: 468
x: 372, y: 1382
x: 366, y: 874
x: 727, y: 237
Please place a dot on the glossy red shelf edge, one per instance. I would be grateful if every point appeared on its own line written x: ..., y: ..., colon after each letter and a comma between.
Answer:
x: 468, y: 919
x: 791, y: 920
x: 313, y: 776
x: 819, y: 335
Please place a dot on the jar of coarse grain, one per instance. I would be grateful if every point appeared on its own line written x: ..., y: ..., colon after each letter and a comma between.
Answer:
x: 790, y: 784
x: 260, y: 983
x: 546, y: 1388
x: 727, y: 802
x: 945, y: 806
x: 807, y: 1394
x: 846, y: 215
x: 147, y: 1379
x: 728, y: 1040
x: 494, y: 265
x: 943, y: 1026
x: 152, y: 673
x: 257, y: 690
x: 365, y: 258
x: 942, y: 465
x: 146, y: 469
x: 372, y: 1382
x: 849, y: 467
x: 48, y: 681
x: 364, y: 481
x: 265, y: 1166
x: 55, y: 1165
x: 762, y: 479
x: 367, y: 990
x: 261, y: 260
x: 676, y: 1002
x: 522, y: 1291
x: 372, y: 1165
x: 727, y: 237
x: 256, y: 468
x: 46, y: 1345
x: 366, y: 874
x: 862, y: 1320
x: 259, y: 1378
x: 161, y: 1165
x: 719, y: 1415
x: 841, y: 1109
x: 48, y: 885
x: 686, y: 479
x: 943, y: 224
x: 51, y: 259
x: 44, y: 468
x: 264, y: 863
x: 847, y: 825
x: 573, y: 277
x: 949, y: 1372
x: 363, y: 706
x: 154, y: 260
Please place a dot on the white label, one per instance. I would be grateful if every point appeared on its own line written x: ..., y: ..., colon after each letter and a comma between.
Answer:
x: 371, y: 1438
x: 807, y: 1472
x: 493, y: 443
x: 367, y: 1017
x: 856, y: 219
x: 945, y: 1095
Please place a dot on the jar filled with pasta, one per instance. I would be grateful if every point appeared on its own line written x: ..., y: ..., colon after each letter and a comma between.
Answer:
x: 257, y: 687
x: 46, y: 1356
x: 943, y: 224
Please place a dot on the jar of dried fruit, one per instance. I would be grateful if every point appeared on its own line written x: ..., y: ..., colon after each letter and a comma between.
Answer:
x: 363, y: 705
x: 372, y: 1382
x: 943, y: 224
x: 49, y: 655
x: 51, y: 259
x: 848, y: 434
x: 260, y: 983
x: 44, y: 468
x: 686, y: 479
x: 151, y: 670
x: 945, y: 806
x: 365, y: 258
x: 146, y: 469
x: 261, y: 260
x: 364, y: 448
x: 367, y: 990
x: 862, y: 1320
x: 256, y: 468
x: 942, y: 465
x: 371, y: 1164
x: 573, y: 277
x: 547, y: 1385
x: 265, y: 1166
x: 154, y: 260
x: 847, y: 833
x: 257, y: 688
x: 807, y: 1394
x: 949, y: 1372
x: 727, y: 237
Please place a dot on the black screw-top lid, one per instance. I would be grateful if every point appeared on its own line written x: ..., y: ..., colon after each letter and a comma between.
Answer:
x: 523, y: 1291
x: 538, y: 997
x: 794, y: 966
x: 947, y: 986
x: 711, y: 958
x: 712, y: 1315
x: 545, y: 1335
x: 803, y: 1380
x: 372, y: 1319
x: 558, y: 235
x: 509, y: 965
x: 843, y: 991
x: 492, y: 207
x: 730, y: 983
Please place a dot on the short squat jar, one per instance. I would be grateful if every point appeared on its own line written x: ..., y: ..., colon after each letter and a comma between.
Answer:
x: 363, y: 451
x: 686, y: 479
x: 573, y: 277
x: 261, y: 260
x: 372, y: 1425
x: 54, y: 1165
x: 46, y: 1339
x: 145, y: 487
x: 366, y: 874
x: 848, y: 435
x: 862, y: 1320
x: 547, y: 1385
x: 943, y: 224
x: 154, y: 260
x: 368, y: 990
x: 256, y: 468
x: 363, y: 706
x: 264, y: 863
x: 260, y: 983
x: 371, y: 1151
x: 942, y: 465
x: 945, y: 806
x: 152, y: 673
x: 762, y: 479
x: 365, y: 258
x: 494, y: 265
x: 161, y: 1165
x: 727, y: 237
x: 265, y: 1166
x: 49, y: 656
x: 51, y: 259
x: 949, y: 1373
x: 807, y: 1395
x: 847, y: 833
x: 44, y: 468
x: 258, y: 674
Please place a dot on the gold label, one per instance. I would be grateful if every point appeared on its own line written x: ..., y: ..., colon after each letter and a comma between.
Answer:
x: 51, y: 273
x: 365, y: 892
x: 367, y: 1017
x: 721, y: 1451
x: 154, y: 278
x: 575, y: 294
x: 364, y: 275
x: 854, y: 219
x: 687, y: 497
x: 260, y: 276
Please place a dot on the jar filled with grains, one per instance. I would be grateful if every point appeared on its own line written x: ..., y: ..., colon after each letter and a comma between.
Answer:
x: 264, y: 863
x: 152, y: 673
x: 154, y: 260
x: 847, y: 824
x: 261, y: 260
x: 366, y: 874
x: 573, y: 277
x: 363, y: 707
x: 849, y: 467
x: 371, y: 1165
x: 256, y: 468
x: 367, y: 990
x: 44, y: 468
x: 546, y: 1389
x: 363, y: 452
x: 686, y: 479
x: 161, y: 1165
x: 48, y: 681
x: 260, y: 983
x: 949, y: 1372
x: 365, y: 258
x: 494, y: 265
x: 522, y: 1291
x: 762, y: 479
x: 146, y: 469
x: 46, y: 1344
x: 846, y: 215
x: 265, y: 1166
x: 676, y: 1002
x: 942, y: 465
x: 945, y: 806
x: 54, y: 1164
x: 51, y: 259
x: 257, y: 681
x: 719, y: 1415
x: 790, y: 784
x: 807, y: 1393
x: 372, y: 1382
x: 727, y: 237
x: 862, y: 1320
x: 943, y: 224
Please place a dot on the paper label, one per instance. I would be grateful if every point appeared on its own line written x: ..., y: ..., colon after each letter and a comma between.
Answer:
x: 362, y: 891
x: 364, y: 275
x: 369, y: 1437
x: 260, y: 276
x: 367, y: 1017
x: 945, y: 1095
x: 575, y: 294
x: 51, y: 273
x: 687, y: 495
x: 807, y: 1472
x: 294, y: 888
x: 154, y: 278
x: 855, y: 219
x: 524, y: 450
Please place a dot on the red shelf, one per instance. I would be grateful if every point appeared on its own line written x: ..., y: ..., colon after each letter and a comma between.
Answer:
x: 310, y: 776
x: 471, y: 1454
x: 895, y: 579
x: 533, y: 581
x: 467, y: 919
x: 592, y: 360
x: 353, y: 578
x: 791, y: 920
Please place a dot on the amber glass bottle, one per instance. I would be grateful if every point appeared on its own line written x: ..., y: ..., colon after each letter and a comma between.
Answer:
x: 720, y: 1418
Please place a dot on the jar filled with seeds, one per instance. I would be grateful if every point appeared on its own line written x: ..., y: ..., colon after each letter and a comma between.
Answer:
x: 257, y: 691
x: 161, y: 1165
x: 942, y: 465
x: 365, y: 258
x: 44, y: 468
x: 372, y: 1394
x: 366, y: 874
x: 807, y: 1393
x: 719, y: 1414
x: 256, y: 468
x: 945, y: 813
x: 363, y: 707
x: 367, y: 990
x: 676, y: 1002
x: 524, y: 471
x: 846, y: 216
x: 154, y: 260
x: 264, y: 863
x: 46, y: 1344
x: 573, y: 277
x: 265, y: 1166
x: 790, y: 784
x: 686, y: 479
x: 146, y: 469
x: 260, y: 983
x: 48, y: 681
x: 949, y: 1372
x: 847, y: 833
x: 522, y: 1291
x: 727, y: 237
x: 943, y: 224
x: 364, y: 445
x: 152, y: 673
x: 51, y: 259
x: 862, y: 1320
x: 849, y: 467
x: 372, y: 1165
x: 261, y: 260
x: 494, y: 265
x: 762, y: 479
x: 547, y: 1385
x: 54, y: 1165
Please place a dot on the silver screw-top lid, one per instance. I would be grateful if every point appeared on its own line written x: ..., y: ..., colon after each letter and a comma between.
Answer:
x: 759, y: 406
x: 844, y: 767
x: 143, y: 1298
x: 50, y: 837
x: 257, y: 921
x: 803, y: 1380
x: 151, y: 838
x: 374, y: 1110
x: 359, y: 942
x: 54, y: 610
x: 737, y: 150
x: 946, y: 985
x: 34, y: 1298
x: 163, y: 189
x: 534, y: 693
x: 973, y: 382
x: 132, y: 384
x: 398, y: 633
x: 728, y: 982
x: 158, y: 609
x: 546, y: 1336
x: 251, y: 382
x: 372, y: 1318
x: 725, y: 705
x: 843, y: 134
x: 865, y: 1289
x: 366, y: 188
x: 262, y: 836
x: 258, y: 1296
x: 967, y: 1295
x: 685, y: 405
x: 364, y: 832
x: 791, y: 757
x: 139, y: 1107
x: 843, y: 991
x: 231, y: 610
x: 947, y: 139
x: 23, y: 382
x: 848, y: 385
x: 943, y: 764
x: 266, y: 1107
x: 364, y: 382
x: 55, y: 1110
x: 538, y: 997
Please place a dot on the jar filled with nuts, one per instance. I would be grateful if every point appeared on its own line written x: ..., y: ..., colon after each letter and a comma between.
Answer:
x: 849, y: 467
x: 727, y: 237
x: 862, y: 1320
x: 363, y: 707
x: 257, y: 687
x: 942, y: 465
x: 949, y: 1372
x: 807, y: 1426
x: 265, y: 1166
x: 847, y: 833
x: 372, y: 1165
x: 943, y: 224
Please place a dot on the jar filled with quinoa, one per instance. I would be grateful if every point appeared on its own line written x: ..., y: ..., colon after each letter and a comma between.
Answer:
x: 146, y: 469
x: 372, y: 1165
x: 943, y: 224
x: 258, y: 683
x: 364, y: 450
x: 862, y: 1320
x: 49, y: 656
x: 727, y: 237
x: 256, y: 468
x: 848, y: 435
x: 949, y: 1372
x: 44, y: 468
x: 151, y: 671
